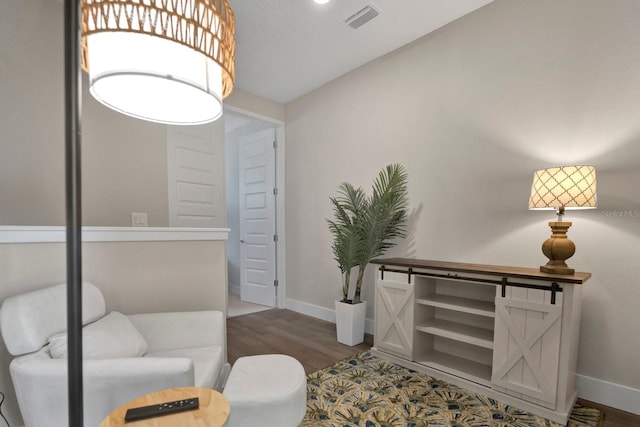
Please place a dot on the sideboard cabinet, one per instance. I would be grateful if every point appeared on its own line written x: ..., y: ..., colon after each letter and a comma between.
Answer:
x: 509, y: 333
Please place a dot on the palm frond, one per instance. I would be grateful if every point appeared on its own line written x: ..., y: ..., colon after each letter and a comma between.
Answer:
x: 364, y: 228
x: 347, y: 244
x: 385, y: 219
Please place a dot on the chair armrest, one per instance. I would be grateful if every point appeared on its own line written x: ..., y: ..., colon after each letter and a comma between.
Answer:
x: 110, y: 383
x: 107, y: 384
x: 178, y: 330
x: 137, y: 375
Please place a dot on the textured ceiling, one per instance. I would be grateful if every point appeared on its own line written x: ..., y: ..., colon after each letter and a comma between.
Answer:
x: 286, y: 48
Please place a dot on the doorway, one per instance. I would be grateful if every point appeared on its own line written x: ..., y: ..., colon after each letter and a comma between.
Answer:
x: 254, y: 176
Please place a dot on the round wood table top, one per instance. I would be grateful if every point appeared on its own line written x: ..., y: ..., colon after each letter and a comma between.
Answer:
x: 212, y: 412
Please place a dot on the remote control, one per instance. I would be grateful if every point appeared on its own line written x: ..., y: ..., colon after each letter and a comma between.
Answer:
x: 135, y: 414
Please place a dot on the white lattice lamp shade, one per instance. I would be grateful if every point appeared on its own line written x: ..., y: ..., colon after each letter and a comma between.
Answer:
x: 167, y: 61
x: 564, y: 187
x: 570, y: 187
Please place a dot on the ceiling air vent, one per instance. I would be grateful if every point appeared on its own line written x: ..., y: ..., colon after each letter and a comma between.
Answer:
x: 361, y: 17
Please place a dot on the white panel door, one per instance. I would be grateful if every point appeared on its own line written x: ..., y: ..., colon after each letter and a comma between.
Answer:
x: 193, y: 168
x: 526, y: 352
x: 257, y: 218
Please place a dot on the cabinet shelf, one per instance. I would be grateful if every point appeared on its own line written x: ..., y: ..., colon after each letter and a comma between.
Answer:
x: 455, y: 365
x: 458, y: 332
x: 465, y: 305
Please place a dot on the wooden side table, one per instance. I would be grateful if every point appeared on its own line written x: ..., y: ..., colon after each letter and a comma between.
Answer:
x: 213, y: 410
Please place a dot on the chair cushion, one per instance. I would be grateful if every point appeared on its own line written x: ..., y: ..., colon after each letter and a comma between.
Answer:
x: 29, y: 319
x: 110, y: 337
x: 207, y: 362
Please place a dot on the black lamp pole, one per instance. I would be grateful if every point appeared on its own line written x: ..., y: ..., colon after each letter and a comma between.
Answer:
x: 72, y: 108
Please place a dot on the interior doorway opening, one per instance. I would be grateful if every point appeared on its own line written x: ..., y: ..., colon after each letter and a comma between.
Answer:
x: 254, y: 187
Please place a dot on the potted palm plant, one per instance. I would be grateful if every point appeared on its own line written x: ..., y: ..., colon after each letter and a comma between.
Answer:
x: 363, y: 228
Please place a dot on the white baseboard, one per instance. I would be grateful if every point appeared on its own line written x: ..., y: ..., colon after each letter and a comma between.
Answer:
x: 234, y: 289
x: 319, y: 312
x: 312, y: 310
x: 599, y: 391
x: 610, y: 394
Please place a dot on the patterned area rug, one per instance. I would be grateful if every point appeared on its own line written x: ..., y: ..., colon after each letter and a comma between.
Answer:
x: 366, y: 391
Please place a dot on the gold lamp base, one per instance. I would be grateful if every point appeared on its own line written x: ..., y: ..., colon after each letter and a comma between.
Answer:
x: 558, y: 248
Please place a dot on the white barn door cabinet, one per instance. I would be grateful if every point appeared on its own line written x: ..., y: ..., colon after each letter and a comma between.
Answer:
x: 509, y: 333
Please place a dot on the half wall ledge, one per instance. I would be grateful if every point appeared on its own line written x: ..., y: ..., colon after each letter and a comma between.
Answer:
x: 57, y: 234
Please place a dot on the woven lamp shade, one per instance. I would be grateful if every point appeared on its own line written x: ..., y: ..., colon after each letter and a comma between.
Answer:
x: 168, y: 61
x: 564, y: 187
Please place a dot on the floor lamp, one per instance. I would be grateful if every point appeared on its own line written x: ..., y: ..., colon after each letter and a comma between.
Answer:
x: 157, y: 60
x: 73, y: 207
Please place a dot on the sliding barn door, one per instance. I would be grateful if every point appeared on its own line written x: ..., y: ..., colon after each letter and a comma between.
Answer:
x: 394, y: 314
x: 526, y: 349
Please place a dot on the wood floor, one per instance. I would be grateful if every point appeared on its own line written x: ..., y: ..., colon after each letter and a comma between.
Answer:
x: 313, y: 343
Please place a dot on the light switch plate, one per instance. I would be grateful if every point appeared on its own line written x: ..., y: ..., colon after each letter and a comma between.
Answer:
x: 139, y: 219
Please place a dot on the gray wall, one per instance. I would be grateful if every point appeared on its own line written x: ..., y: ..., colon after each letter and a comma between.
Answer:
x: 472, y: 111
x: 31, y: 113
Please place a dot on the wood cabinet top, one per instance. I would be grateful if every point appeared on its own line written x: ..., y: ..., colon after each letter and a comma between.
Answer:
x: 493, y: 270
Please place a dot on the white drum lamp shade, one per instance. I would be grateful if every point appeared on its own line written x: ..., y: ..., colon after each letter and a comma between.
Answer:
x: 167, y: 61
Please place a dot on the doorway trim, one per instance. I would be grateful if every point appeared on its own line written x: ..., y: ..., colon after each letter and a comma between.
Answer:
x: 281, y: 271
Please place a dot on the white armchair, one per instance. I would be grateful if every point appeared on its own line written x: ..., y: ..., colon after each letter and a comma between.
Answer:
x: 124, y: 356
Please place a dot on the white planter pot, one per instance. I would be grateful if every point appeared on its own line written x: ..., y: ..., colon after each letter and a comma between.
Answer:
x: 350, y: 322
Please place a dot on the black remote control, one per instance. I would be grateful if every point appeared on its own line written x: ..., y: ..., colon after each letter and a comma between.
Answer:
x: 135, y: 414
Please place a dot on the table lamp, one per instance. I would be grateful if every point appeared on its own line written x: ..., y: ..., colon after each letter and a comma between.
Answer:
x: 560, y: 188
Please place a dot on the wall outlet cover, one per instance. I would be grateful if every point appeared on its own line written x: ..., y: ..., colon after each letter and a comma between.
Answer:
x: 139, y: 219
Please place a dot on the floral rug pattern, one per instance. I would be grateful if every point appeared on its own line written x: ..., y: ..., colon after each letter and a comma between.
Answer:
x: 366, y: 391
